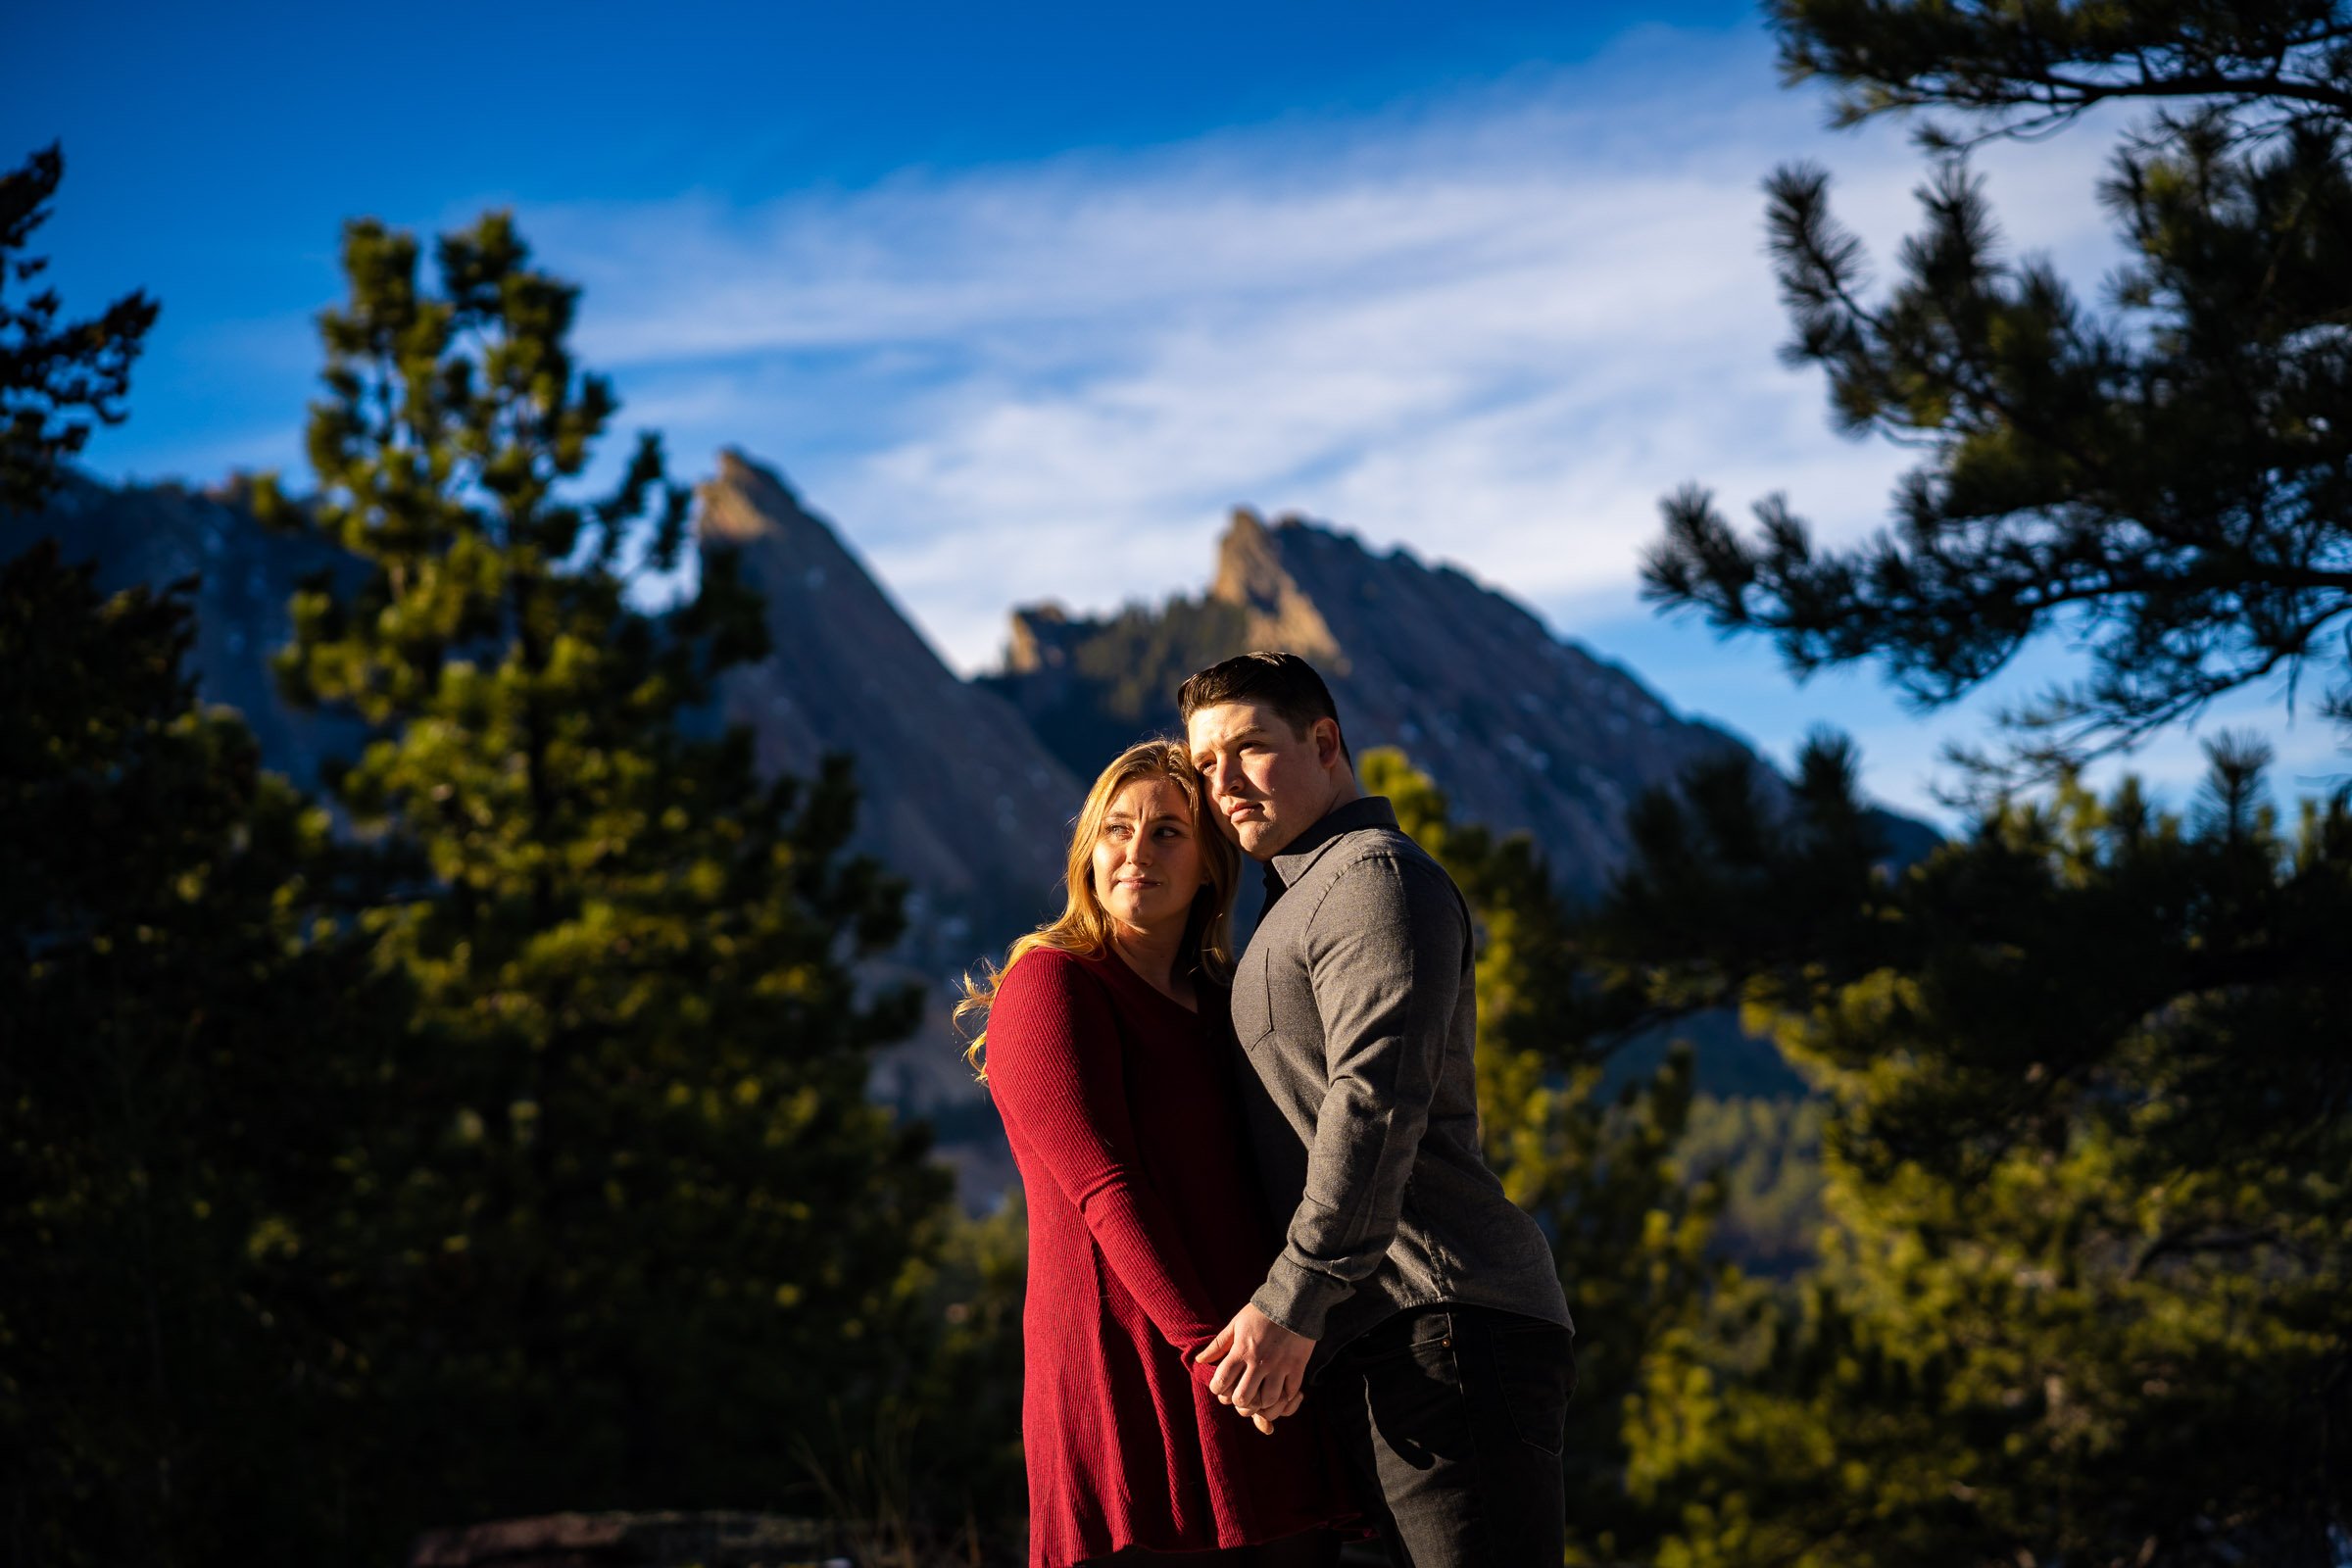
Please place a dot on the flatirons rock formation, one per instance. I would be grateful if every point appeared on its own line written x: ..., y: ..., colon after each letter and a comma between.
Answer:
x: 968, y: 787
x: 1524, y: 731
x: 955, y: 793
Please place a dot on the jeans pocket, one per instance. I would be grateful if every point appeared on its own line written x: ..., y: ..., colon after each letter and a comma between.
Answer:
x: 1420, y: 1406
x: 1535, y: 1367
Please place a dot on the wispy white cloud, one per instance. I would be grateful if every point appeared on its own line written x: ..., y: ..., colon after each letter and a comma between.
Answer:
x: 1494, y: 326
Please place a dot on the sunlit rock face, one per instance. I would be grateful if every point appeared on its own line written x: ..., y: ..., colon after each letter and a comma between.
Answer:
x: 1524, y: 731
x: 955, y: 793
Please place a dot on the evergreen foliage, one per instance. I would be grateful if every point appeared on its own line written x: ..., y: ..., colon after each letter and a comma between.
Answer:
x: 55, y: 379
x: 962, y: 1416
x: 2165, y: 474
x: 173, y: 962
x: 2087, y: 1224
x: 636, y: 1231
x: 1766, y: 1153
x: 2088, y: 1287
x: 190, y: 1031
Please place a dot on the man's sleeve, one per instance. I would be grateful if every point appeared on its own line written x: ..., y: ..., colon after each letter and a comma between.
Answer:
x: 1386, y: 954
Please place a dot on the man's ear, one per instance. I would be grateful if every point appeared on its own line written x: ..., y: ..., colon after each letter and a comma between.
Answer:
x: 1327, y: 741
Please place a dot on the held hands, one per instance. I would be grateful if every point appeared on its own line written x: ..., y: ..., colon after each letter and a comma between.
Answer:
x: 1265, y: 1420
x: 1262, y: 1367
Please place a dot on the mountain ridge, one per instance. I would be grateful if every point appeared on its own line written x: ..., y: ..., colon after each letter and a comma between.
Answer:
x: 1526, y: 731
x: 969, y: 787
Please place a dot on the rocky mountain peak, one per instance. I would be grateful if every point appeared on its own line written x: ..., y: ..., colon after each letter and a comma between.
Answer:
x: 1254, y: 573
x: 1526, y: 731
x: 1039, y: 639
x: 955, y: 794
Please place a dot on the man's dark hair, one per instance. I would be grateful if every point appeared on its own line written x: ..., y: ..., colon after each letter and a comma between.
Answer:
x: 1283, y: 682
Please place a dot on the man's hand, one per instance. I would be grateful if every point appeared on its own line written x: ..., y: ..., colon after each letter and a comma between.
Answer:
x: 1261, y: 1366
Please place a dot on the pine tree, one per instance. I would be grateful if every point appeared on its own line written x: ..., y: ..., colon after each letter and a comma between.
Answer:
x: 55, y: 380
x: 2089, y: 1242
x: 2166, y: 476
x: 638, y: 1231
x: 175, y: 954
x: 190, y: 1029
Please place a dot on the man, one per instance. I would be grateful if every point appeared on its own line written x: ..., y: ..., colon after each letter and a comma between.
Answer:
x: 1421, y: 1303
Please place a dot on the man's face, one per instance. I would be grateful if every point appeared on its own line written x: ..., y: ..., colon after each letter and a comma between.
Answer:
x: 1267, y: 782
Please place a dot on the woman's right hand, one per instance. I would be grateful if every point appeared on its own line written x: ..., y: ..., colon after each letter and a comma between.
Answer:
x: 1264, y: 1419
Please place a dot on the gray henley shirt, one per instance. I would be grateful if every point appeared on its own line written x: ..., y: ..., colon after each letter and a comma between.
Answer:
x: 1357, y: 1009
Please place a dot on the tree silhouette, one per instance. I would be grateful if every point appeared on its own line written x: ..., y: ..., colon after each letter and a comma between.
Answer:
x: 55, y: 379
x: 2168, y: 475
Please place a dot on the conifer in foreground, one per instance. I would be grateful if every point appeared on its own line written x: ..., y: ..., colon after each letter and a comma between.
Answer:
x: 640, y: 1230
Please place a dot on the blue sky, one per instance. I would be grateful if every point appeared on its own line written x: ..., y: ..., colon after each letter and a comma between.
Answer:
x: 1026, y: 299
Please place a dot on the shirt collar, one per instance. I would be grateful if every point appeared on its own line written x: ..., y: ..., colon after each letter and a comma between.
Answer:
x: 1365, y: 811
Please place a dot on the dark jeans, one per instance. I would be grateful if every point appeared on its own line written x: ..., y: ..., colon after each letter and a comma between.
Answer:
x: 1452, y: 1419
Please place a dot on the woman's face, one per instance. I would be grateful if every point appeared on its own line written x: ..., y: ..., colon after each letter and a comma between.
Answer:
x: 1148, y: 862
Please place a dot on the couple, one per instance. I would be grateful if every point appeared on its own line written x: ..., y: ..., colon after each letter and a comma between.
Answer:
x: 1275, y: 1294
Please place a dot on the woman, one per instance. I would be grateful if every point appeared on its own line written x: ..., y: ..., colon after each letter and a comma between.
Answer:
x: 1105, y: 1056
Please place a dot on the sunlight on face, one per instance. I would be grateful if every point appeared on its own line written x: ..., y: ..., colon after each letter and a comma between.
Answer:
x: 1267, y: 782
x: 1147, y: 860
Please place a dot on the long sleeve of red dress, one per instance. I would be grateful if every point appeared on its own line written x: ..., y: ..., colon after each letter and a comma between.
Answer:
x: 1054, y: 1069
x: 1146, y: 1233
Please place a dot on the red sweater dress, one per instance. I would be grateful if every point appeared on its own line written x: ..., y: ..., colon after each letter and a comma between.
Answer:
x: 1145, y: 1235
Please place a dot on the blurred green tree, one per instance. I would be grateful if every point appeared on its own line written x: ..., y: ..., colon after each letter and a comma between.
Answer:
x: 1598, y: 1169
x: 1767, y: 1151
x: 637, y: 1231
x: 2088, y: 1287
x: 2169, y: 476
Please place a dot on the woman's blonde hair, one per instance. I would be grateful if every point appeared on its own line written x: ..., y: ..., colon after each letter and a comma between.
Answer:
x: 1084, y: 925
